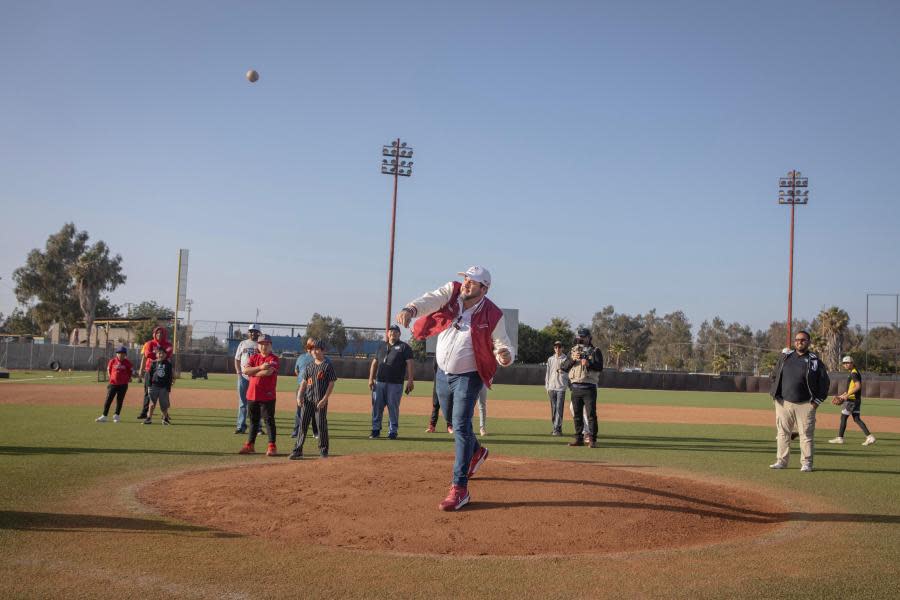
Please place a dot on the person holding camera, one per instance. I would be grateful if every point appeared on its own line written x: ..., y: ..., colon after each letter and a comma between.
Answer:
x: 584, y: 364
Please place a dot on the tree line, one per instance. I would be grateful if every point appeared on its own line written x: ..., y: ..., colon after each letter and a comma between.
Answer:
x: 67, y: 282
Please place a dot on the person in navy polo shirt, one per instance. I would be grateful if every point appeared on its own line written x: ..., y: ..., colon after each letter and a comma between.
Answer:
x: 392, y: 362
x: 472, y: 341
x: 262, y: 369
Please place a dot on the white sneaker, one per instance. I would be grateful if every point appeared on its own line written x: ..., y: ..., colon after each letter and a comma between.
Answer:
x: 806, y: 469
x: 778, y: 465
x: 483, y: 432
x: 837, y: 440
x: 115, y: 418
x: 101, y: 419
x: 869, y: 441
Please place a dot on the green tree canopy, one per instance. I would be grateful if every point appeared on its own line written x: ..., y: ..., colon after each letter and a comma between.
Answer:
x: 328, y: 329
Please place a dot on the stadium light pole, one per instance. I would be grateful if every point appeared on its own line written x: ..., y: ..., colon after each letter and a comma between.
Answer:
x: 395, y: 164
x: 792, y: 191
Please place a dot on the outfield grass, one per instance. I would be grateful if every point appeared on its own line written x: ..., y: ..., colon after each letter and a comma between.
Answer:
x: 531, y: 393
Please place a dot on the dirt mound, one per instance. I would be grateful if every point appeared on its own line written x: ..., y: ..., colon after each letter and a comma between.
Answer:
x: 520, y: 506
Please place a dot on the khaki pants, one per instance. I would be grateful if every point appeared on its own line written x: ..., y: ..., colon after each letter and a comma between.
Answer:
x: 787, y: 414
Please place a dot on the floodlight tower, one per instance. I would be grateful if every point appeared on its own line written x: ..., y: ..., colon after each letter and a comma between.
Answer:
x: 395, y: 164
x: 792, y: 191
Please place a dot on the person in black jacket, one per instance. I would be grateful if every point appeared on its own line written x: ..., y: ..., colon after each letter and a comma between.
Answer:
x: 160, y: 385
x: 583, y: 365
x: 799, y: 385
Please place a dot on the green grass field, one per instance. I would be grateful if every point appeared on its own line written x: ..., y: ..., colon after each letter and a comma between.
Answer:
x: 532, y: 393
x: 50, y: 456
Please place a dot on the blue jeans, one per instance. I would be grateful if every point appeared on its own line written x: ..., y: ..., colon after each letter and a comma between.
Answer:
x: 386, y: 394
x: 242, y: 385
x: 557, y: 402
x: 457, y: 395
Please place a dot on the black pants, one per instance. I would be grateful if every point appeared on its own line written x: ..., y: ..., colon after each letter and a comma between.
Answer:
x: 117, y: 391
x: 856, y: 419
x: 266, y: 410
x: 297, y: 417
x: 585, y: 397
x: 146, y: 406
x: 436, y: 407
x: 308, y: 412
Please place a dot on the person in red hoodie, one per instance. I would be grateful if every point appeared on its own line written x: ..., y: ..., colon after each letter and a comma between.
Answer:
x: 262, y: 368
x: 160, y: 339
x: 119, y: 370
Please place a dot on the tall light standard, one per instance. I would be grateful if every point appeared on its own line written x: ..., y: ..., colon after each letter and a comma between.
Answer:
x: 792, y: 191
x: 398, y: 165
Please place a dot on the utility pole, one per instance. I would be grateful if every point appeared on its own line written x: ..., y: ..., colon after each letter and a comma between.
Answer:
x: 792, y: 192
x: 396, y: 150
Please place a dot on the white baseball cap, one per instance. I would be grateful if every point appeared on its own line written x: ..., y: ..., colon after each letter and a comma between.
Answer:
x: 254, y: 327
x: 847, y: 359
x: 479, y: 274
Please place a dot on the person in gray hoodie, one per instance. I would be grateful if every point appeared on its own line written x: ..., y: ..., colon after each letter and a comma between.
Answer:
x: 555, y: 382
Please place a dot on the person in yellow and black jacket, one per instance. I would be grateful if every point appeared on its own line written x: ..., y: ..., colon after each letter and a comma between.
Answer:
x: 583, y: 365
x: 851, y: 401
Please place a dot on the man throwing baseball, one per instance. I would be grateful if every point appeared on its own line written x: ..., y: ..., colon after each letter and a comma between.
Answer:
x: 472, y: 341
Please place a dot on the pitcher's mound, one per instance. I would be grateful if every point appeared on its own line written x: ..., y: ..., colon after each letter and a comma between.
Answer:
x: 520, y: 506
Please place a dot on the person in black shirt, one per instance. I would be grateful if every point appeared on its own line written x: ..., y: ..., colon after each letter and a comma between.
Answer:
x: 852, y: 404
x: 393, y: 360
x: 160, y: 374
x: 314, y: 393
x: 799, y: 385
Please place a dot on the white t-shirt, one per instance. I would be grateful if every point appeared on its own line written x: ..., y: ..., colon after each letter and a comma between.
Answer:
x: 245, y: 350
x: 454, y: 352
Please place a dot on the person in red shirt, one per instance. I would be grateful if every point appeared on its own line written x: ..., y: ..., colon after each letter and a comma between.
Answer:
x: 262, y: 368
x: 160, y: 339
x: 119, y: 370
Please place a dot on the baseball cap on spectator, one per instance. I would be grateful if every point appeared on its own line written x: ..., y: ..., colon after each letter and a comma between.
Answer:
x: 121, y: 349
x: 479, y: 274
x: 583, y: 332
x: 253, y: 327
x: 394, y: 328
x: 264, y: 339
x: 847, y: 359
x: 557, y: 343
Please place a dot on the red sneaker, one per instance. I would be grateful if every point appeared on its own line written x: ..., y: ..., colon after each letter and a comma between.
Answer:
x: 247, y: 449
x: 456, y: 499
x: 272, y: 450
x: 477, y: 459
x: 430, y: 429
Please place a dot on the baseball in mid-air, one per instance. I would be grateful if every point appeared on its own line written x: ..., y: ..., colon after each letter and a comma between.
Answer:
x: 252, y: 76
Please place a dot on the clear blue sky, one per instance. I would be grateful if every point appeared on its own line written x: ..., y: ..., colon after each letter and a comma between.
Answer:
x: 587, y: 153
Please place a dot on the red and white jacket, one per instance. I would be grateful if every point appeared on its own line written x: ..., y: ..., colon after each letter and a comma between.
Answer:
x: 440, y: 308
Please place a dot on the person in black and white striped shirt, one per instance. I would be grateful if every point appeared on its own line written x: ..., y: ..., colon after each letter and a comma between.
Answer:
x: 318, y: 383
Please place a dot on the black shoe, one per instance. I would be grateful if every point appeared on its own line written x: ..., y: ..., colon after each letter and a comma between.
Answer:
x: 240, y: 431
x: 148, y: 422
x: 142, y: 416
x: 392, y: 436
x: 167, y: 421
x: 556, y: 433
x: 296, y: 455
x: 323, y: 453
x: 375, y: 434
x: 294, y: 434
x: 578, y: 441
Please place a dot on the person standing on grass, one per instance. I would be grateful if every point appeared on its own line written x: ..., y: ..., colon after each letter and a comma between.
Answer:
x: 799, y: 385
x: 119, y: 370
x: 161, y: 379
x: 262, y: 369
x: 556, y: 380
x: 299, y: 369
x: 852, y: 404
x: 393, y: 360
x: 584, y: 364
x: 160, y: 339
x: 245, y: 350
x: 472, y: 341
x: 315, y: 391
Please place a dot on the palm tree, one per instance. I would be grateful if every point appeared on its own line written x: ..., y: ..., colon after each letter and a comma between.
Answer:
x: 617, y: 349
x: 833, y: 328
x: 720, y: 363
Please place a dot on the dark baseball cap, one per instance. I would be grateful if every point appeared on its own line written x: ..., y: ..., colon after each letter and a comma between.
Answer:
x: 121, y: 349
x: 583, y: 332
x: 394, y: 328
